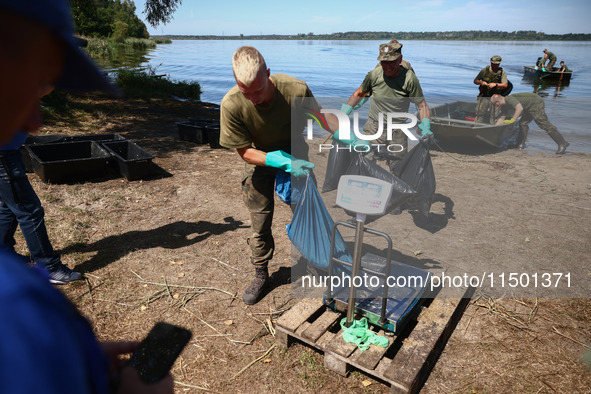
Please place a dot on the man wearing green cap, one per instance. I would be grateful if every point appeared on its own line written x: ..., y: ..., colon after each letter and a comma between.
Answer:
x: 392, y: 88
x: 490, y: 80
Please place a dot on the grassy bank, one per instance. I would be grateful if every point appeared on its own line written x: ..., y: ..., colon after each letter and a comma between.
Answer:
x: 145, y: 83
x: 141, y: 84
x: 106, y: 48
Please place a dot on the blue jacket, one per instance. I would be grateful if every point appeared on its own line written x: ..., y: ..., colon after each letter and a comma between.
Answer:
x: 17, y: 141
x: 46, y: 346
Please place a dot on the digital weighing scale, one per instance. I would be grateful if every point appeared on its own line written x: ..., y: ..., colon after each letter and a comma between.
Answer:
x: 387, y: 293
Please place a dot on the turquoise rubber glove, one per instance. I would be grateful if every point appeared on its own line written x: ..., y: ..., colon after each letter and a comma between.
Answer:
x: 354, y: 141
x: 284, y: 161
x: 425, y: 127
x: 543, y: 69
x: 346, y: 108
x: 361, y: 335
x: 363, y: 101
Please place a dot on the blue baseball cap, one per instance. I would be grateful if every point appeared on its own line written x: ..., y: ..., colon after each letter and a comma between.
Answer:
x: 80, y: 72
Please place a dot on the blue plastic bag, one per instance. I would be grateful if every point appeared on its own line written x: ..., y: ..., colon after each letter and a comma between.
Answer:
x: 288, y: 188
x: 311, y: 227
x: 283, y: 186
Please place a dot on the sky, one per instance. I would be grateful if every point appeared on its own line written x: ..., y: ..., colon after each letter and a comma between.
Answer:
x: 235, y: 17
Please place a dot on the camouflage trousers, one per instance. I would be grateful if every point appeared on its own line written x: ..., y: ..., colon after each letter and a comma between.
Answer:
x: 538, y: 114
x: 258, y: 188
x: 486, y: 112
x: 550, y: 64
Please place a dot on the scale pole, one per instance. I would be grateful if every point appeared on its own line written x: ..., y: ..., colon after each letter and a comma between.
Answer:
x: 355, y: 267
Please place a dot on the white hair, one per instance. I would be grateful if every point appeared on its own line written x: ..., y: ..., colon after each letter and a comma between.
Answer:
x: 246, y: 63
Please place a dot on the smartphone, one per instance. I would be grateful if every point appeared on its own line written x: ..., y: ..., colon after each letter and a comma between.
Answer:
x: 156, y: 354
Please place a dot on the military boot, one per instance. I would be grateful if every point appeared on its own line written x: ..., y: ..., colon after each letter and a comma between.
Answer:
x: 257, y: 287
x: 562, y: 144
x: 523, y: 137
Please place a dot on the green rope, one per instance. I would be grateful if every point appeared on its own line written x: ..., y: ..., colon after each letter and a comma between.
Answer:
x: 360, y: 334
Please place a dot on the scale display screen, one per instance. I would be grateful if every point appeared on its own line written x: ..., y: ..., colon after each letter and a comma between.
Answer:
x: 363, y: 194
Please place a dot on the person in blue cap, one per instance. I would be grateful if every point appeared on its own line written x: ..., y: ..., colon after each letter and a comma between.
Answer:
x: 20, y: 206
x: 32, y: 62
x: 46, y: 346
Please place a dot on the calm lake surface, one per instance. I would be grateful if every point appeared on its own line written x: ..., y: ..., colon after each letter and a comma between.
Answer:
x: 446, y: 70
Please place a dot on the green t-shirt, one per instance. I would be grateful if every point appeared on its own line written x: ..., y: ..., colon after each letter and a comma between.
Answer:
x: 391, y: 94
x: 243, y: 124
x: 551, y: 55
x: 527, y: 100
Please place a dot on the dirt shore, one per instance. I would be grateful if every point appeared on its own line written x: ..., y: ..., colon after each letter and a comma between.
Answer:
x: 173, y: 248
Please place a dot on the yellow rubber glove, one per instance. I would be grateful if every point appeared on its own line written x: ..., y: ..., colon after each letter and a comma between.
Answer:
x: 508, y: 121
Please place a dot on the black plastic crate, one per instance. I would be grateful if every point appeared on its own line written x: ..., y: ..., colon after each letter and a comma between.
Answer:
x: 193, y: 130
x: 37, y: 139
x: 94, y: 137
x: 134, y: 162
x: 44, y: 139
x: 66, y: 162
x: 56, y: 138
x: 213, y: 135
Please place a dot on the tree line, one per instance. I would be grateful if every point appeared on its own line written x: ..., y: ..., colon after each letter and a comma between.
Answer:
x: 470, y: 35
x: 108, y: 19
x: 116, y: 19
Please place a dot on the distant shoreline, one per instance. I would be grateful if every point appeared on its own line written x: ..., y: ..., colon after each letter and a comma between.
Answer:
x: 470, y: 35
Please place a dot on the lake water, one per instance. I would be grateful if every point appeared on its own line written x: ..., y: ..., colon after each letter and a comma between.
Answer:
x: 446, y: 69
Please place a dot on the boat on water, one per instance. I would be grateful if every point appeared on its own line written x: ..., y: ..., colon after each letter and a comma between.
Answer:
x: 454, y: 127
x: 554, y: 75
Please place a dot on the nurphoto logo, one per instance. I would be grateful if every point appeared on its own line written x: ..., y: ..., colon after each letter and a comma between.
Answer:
x: 345, y: 129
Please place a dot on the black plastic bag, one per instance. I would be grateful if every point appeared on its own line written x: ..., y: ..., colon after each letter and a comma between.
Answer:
x: 337, y: 165
x: 401, y: 191
x: 416, y: 169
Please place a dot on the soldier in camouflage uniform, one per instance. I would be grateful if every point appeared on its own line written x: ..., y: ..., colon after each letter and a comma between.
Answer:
x: 490, y: 80
x: 551, y: 58
x: 256, y: 120
x: 404, y: 63
x: 393, y: 86
x: 563, y: 68
x: 531, y: 107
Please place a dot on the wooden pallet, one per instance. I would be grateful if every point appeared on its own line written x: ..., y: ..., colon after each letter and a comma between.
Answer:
x: 407, y: 361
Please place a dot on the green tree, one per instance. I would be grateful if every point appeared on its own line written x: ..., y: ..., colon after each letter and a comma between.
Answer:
x: 98, y: 18
x: 160, y: 11
x: 120, y: 32
x: 124, y: 11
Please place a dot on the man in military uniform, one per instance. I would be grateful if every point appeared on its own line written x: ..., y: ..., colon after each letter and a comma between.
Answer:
x: 392, y: 87
x: 530, y: 107
x: 563, y: 68
x: 256, y: 120
x: 404, y: 63
x: 550, y: 58
x: 490, y: 80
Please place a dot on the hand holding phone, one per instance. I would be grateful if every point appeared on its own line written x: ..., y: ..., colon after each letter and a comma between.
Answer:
x: 156, y: 354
